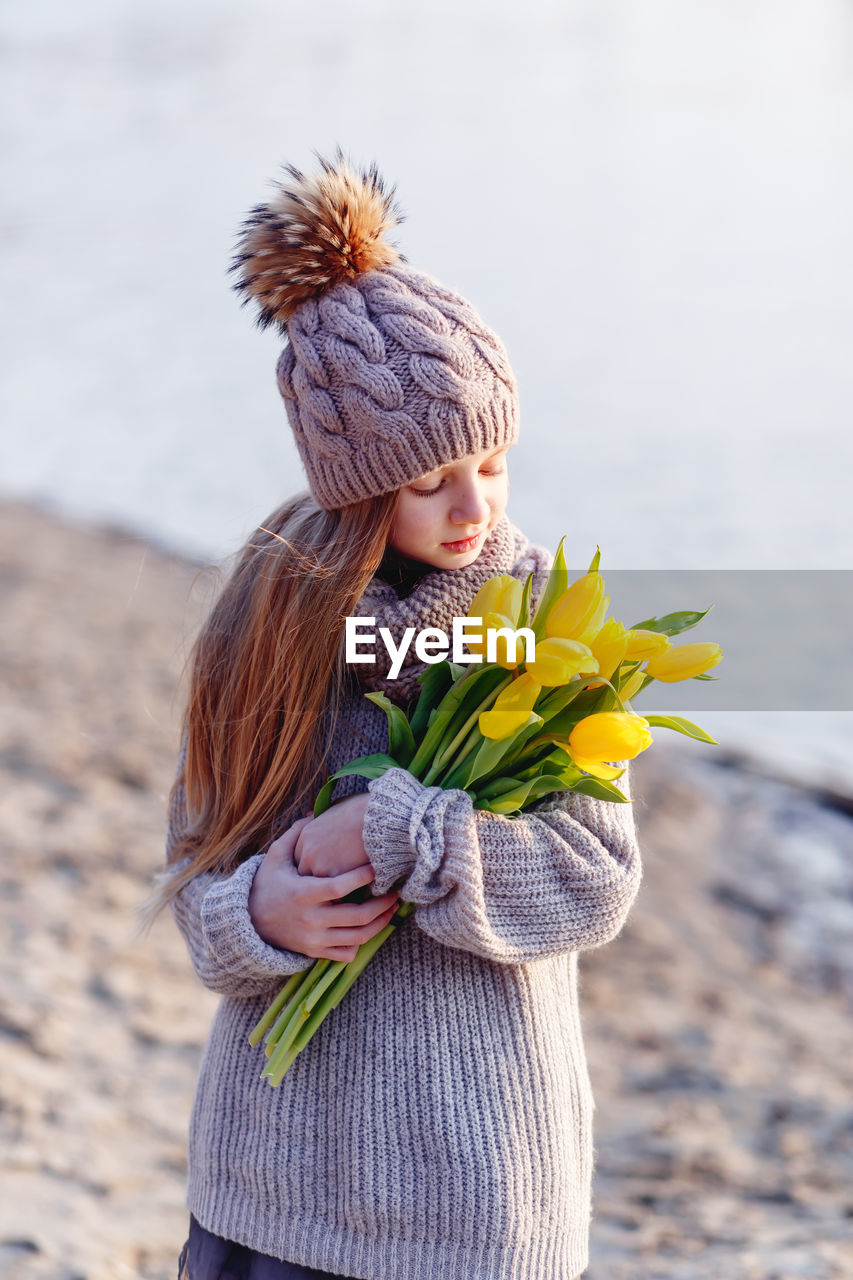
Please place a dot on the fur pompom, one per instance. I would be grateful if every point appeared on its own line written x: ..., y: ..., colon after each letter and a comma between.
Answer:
x: 316, y: 232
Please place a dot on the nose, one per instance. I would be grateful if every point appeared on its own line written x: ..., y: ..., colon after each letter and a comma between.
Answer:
x: 470, y: 506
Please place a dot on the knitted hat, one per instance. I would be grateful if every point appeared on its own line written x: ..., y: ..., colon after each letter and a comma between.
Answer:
x: 386, y: 374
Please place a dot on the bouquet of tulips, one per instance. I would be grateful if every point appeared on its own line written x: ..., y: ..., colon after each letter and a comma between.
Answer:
x: 510, y: 732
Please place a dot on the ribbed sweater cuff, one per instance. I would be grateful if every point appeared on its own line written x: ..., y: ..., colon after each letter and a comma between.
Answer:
x: 230, y: 934
x: 394, y: 812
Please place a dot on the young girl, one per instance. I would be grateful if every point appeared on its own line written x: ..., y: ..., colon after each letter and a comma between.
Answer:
x: 439, y: 1123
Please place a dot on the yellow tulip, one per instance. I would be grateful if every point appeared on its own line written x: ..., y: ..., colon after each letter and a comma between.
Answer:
x: 558, y: 660
x: 608, y: 647
x: 596, y: 768
x: 578, y: 614
x: 609, y: 735
x: 504, y: 656
x: 498, y: 603
x: 512, y: 708
x: 646, y: 644
x: 684, y: 660
x: 501, y: 594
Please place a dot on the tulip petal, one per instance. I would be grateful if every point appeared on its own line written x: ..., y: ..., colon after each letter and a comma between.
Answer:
x: 498, y: 724
x: 597, y: 768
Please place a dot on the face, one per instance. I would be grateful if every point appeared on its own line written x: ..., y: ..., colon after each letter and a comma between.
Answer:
x: 438, y: 514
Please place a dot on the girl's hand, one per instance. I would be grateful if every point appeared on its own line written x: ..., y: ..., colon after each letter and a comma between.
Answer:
x: 298, y: 912
x: 333, y: 842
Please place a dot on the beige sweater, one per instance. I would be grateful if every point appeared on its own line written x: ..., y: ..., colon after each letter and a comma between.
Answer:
x: 439, y: 1124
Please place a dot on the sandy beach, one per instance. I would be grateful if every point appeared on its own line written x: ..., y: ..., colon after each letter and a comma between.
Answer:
x: 718, y: 1025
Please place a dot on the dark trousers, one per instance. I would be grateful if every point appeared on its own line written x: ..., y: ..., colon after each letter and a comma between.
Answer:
x: 206, y: 1256
x: 209, y: 1257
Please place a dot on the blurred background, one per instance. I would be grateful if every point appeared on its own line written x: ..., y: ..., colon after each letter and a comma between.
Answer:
x: 653, y: 206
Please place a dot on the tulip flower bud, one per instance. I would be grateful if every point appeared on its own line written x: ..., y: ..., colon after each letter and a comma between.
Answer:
x: 646, y: 644
x: 512, y: 708
x: 578, y: 614
x: 505, y: 655
x: 608, y: 647
x: 683, y: 661
x: 557, y: 661
x: 501, y: 594
x: 609, y: 735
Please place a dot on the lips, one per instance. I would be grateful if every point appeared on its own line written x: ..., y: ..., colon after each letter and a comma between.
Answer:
x: 466, y: 544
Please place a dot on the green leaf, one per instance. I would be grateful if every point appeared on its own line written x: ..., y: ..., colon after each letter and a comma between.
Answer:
x: 555, y: 760
x: 521, y: 738
x: 569, y: 694
x: 401, y: 742
x: 496, y: 786
x: 595, y: 561
x: 455, y: 749
x: 548, y: 704
x: 680, y: 725
x: 704, y: 676
x: 524, y: 611
x: 558, y: 582
x: 324, y: 798
x: 591, y: 701
x: 672, y: 624
x: 434, y: 682
x: 453, y: 710
x: 487, y: 759
x: 600, y: 788
x: 372, y: 766
x: 624, y: 675
x: 525, y: 793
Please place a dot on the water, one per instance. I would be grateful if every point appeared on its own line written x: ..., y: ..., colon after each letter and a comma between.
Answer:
x: 652, y: 204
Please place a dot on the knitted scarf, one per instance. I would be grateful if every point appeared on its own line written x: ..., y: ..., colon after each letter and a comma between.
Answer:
x: 435, y: 600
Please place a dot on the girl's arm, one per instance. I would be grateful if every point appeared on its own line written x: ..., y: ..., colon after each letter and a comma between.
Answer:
x: 212, y: 913
x: 559, y: 878
x: 266, y: 920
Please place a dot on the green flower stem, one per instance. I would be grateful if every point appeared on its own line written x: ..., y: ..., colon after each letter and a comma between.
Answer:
x: 294, y: 1026
x: 286, y: 1017
x: 335, y: 968
x: 302, y: 1029
x: 446, y: 711
x: 452, y: 774
x: 276, y: 1007
x: 287, y: 1060
x: 445, y: 755
x: 532, y: 749
x: 521, y: 752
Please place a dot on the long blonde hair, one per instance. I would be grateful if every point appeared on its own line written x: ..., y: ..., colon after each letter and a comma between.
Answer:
x: 263, y: 671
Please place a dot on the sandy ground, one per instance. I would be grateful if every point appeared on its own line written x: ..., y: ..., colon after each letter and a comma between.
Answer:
x: 718, y: 1025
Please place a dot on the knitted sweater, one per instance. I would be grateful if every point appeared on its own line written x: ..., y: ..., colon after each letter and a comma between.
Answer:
x: 438, y: 1126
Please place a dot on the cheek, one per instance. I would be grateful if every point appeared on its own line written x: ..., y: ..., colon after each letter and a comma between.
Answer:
x: 408, y: 521
x: 498, y: 500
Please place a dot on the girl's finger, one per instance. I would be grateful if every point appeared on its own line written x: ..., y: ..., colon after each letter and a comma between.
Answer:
x: 340, y: 915
x: 286, y: 842
x: 355, y: 937
x: 340, y: 885
x: 339, y: 953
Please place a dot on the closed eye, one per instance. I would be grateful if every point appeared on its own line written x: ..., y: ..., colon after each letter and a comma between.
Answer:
x: 428, y: 493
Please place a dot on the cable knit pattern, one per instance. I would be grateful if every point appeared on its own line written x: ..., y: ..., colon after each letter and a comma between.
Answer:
x: 439, y: 1124
x: 388, y: 376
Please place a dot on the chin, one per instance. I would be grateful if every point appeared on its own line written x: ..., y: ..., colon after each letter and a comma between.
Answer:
x: 460, y: 559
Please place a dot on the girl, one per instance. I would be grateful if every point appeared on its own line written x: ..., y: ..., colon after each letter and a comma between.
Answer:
x: 439, y: 1123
